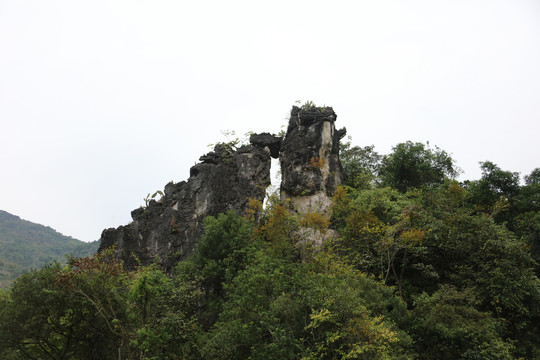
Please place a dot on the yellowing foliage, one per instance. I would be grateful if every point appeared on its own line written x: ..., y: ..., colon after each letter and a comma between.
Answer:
x: 359, y: 337
x: 412, y: 237
x: 315, y: 221
x: 316, y: 163
x: 278, y: 228
x: 253, y: 208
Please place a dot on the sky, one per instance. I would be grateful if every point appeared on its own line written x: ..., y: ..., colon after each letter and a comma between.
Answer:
x: 103, y: 102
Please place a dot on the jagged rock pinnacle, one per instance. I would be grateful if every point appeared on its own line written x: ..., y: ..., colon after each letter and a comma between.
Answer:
x: 309, y: 156
x: 226, y: 179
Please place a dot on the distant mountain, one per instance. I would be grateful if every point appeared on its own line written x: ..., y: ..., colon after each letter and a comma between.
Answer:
x: 25, y: 245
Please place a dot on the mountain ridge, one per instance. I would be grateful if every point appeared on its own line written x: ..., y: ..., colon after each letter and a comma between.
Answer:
x: 25, y: 245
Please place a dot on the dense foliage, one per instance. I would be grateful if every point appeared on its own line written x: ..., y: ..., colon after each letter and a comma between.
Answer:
x: 25, y: 245
x: 415, y: 266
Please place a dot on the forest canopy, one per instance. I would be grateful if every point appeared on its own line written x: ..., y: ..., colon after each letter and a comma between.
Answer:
x: 415, y: 265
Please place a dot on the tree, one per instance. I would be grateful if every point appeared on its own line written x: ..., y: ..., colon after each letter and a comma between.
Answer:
x: 163, y: 310
x: 533, y: 178
x: 317, y: 309
x: 467, y: 249
x: 102, y: 285
x: 351, y: 315
x: 42, y: 320
x: 379, y: 231
x: 448, y: 326
x: 425, y: 240
x: 92, y: 308
x: 360, y: 165
x: 221, y: 252
x: 219, y: 255
x: 258, y: 320
x: 526, y: 222
x: 494, y: 186
x: 413, y: 165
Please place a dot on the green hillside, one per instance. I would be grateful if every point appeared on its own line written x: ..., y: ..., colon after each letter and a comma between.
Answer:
x: 25, y: 245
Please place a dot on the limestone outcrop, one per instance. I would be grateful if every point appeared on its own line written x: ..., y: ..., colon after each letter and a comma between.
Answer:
x: 226, y: 179
x: 169, y: 228
x: 267, y: 141
x: 309, y: 157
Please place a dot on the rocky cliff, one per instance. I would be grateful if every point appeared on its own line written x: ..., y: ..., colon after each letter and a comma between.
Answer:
x: 169, y: 228
x: 226, y: 179
x: 309, y: 157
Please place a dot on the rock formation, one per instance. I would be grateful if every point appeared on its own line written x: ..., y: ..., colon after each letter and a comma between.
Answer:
x: 267, y: 141
x: 169, y: 228
x: 226, y: 179
x: 309, y: 156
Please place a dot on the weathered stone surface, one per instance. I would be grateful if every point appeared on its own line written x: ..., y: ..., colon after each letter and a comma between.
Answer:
x: 170, y: 228
x: 309, y: 156
x: 226, y: 179
x: 267, y: 140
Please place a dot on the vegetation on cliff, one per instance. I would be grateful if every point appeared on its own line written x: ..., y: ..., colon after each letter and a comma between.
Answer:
x: 415, y: 266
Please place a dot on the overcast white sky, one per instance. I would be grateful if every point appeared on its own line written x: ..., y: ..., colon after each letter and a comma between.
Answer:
x: 102, y: 102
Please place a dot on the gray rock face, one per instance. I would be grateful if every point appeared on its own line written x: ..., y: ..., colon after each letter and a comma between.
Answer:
x: 169, y: 228
x: 266, y: 140
x: 309, y: 156
x: 226, y: 179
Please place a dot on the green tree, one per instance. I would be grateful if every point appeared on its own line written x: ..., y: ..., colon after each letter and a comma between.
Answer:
x: 533, y: 178
x: 317, y: 309
x: 495, y: 192
x: 351, y: 316
x: 42, y: 320
x: 102, y: 285
x: 430, y: 238
x: 469, y: 250
x: 222, y: 250
x: 526, y: 222
x: 360, y: 165
x: 258, y: 319
x: 163, y: 310
x: 92, y: 309
x: 447, y: 325
x: 413, y: 165
x: 380, y: 231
